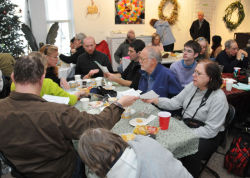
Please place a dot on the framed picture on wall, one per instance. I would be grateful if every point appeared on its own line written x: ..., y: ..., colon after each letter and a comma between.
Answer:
x: 129, y: 11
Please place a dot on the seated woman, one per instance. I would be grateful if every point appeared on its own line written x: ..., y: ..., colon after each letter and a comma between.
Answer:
x: 156, y: 41
x: 204, y: 54
x: 216, y: 46
x: 212, y: 113
x: 51, y: 53
x: 51, y: 88
x: 108, y: 155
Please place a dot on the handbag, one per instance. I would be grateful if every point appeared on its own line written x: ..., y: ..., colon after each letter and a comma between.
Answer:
x: 191, y: 122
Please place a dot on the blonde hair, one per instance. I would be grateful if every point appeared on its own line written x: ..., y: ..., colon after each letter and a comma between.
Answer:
x: 48, y: 49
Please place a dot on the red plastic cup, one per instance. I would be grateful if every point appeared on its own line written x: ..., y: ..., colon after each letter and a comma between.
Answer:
x: 164, y: 118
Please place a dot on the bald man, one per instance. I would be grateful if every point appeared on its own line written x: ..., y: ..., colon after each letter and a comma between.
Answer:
x: 200, y: 28
x: 85, y: 62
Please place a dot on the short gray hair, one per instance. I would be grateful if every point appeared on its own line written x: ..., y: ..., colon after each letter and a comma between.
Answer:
x: 154, y: 53
x: 228, y: 43
x: 80, y: 36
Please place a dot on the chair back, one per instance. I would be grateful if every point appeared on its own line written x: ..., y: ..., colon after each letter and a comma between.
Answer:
x: 230, y: 116
x: 6, y: 167
x: 229, y: 119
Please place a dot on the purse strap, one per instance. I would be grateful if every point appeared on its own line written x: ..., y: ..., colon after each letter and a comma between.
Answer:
x: 203, y: 102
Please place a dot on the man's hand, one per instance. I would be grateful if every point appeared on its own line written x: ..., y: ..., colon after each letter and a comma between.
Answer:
x: 239, y: 53
x: 91, y: 73
x: 111, y: 77
x: 64, y: 84
x: 155, y: 100
x: 126, y: 101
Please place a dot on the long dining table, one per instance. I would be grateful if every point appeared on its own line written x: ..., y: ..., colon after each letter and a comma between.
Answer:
x: 178, y: 138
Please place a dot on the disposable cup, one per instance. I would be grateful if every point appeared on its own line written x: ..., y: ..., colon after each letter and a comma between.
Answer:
x: 164, y: 118
x: 79, y: 83
x: 98, y: 81
x: 77, y: 77
x: 229, y: 85
x: 236, y: 71
x: 85, y: 103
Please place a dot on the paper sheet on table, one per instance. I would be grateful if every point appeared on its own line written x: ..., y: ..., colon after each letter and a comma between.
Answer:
x: 242, y: 86
x: 130, y: 92
x: 149, y: 95
x: 56, y: 99
x: 125, y: 63
x: 103, y: 68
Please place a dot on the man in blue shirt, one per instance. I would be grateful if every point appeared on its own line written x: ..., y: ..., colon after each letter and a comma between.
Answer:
x: 156, y: 77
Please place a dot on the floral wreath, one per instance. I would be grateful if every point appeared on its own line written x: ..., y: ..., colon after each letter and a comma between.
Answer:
x: 229, y: 11
x: 129, y: 10
x: 174, y: 14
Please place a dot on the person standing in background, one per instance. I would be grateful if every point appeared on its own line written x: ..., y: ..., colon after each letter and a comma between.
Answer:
x: 122, y: 50
x: 163, y: 29
x: 200, y: 28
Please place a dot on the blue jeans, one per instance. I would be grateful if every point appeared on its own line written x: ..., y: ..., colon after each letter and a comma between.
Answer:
x: 79, y: 171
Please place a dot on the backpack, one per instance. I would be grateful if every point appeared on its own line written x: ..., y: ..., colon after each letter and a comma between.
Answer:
x: 237, y: 158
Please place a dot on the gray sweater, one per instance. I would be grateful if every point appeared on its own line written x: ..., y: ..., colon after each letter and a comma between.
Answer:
x: 147, y: 159
x: 212, y: 114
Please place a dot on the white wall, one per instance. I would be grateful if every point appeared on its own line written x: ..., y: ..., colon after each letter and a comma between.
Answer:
x: 101, y: 26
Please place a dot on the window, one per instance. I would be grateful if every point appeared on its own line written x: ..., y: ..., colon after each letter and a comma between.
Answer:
x: 61, y: 11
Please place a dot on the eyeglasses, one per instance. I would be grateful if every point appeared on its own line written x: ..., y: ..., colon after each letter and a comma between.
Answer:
x: 142, y: 59
x: 198, y: 73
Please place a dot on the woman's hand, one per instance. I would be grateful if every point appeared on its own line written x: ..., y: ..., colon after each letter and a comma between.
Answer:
x: 154, y: 101
x: 64, y: 84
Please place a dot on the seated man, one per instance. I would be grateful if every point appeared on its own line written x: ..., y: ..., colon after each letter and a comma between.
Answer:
x: 78, y: 44
x: 232, y: 57
x: 85, y: 62
x: 131, y: 76
x: 38, y: 135
x: 122, y: 50
x: 6, y: 64
x: 156, y: 77
x: 184, y: 68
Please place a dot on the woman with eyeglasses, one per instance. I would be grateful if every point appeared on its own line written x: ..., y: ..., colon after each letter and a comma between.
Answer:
x: 51, y: 53
x: 204, y: 103
x: 204, y: 54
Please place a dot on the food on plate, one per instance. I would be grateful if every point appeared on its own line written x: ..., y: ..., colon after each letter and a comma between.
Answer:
x: 72, y: 84
x: 173, y: 54
x: 139, y: 120
x: 96, y: 104
x: 128, y: 137
x: 145, y: 130
x: 106, y: 104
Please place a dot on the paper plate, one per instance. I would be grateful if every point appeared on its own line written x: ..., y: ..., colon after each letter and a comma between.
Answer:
x: 96, y: 104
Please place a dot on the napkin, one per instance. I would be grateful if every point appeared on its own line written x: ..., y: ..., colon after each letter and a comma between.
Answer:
x: 242, y: 86
x: 130, y: 92
x: 150, y: 118
x: 56, y: 99
x: 149, y: 95
x: 103, y: 68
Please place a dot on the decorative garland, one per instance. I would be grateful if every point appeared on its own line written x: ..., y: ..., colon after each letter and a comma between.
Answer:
x: 229, y: 11
x: 174, y: 14
x: 129, y: 10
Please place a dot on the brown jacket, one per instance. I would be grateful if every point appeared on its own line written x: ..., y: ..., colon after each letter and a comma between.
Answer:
x: 37, y: 135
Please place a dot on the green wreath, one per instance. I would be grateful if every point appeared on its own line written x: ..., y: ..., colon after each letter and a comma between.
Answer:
x: 229, y: 11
